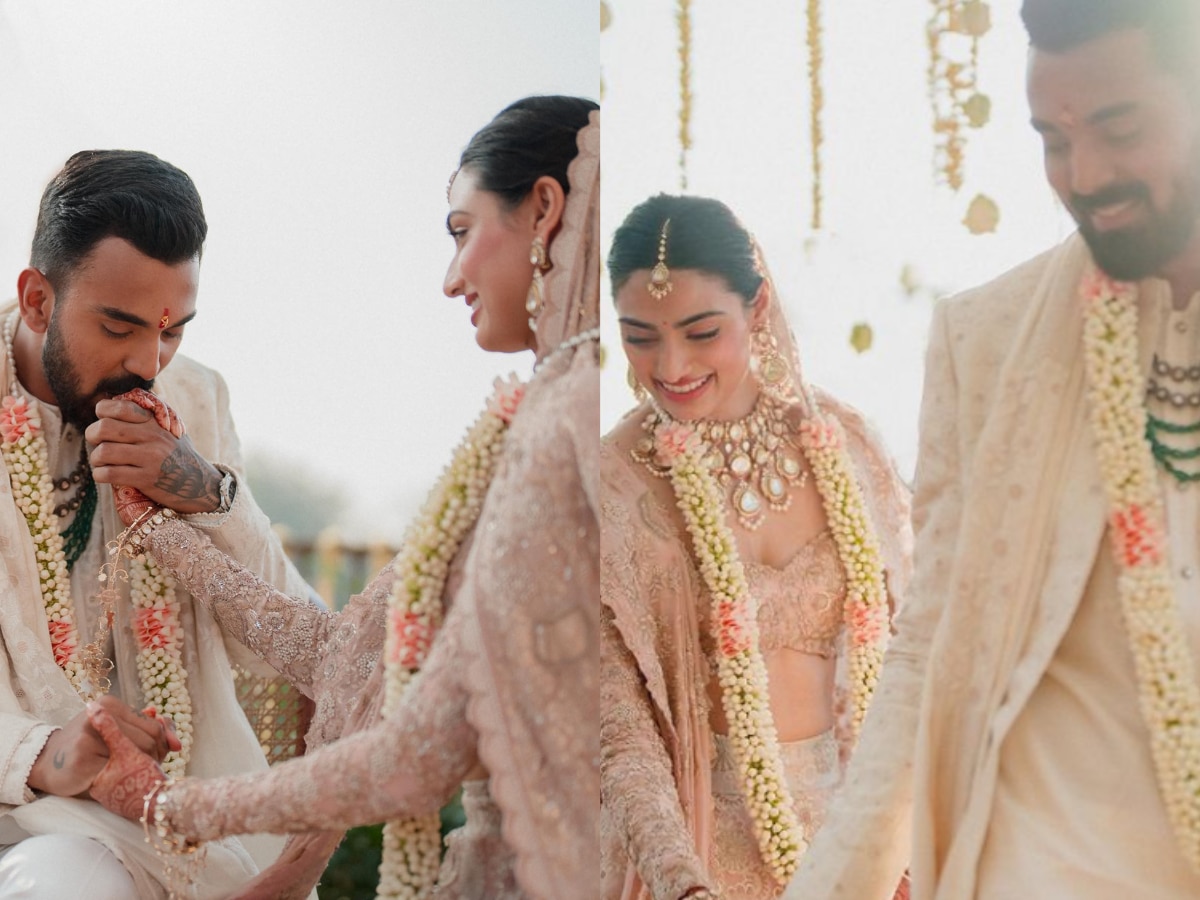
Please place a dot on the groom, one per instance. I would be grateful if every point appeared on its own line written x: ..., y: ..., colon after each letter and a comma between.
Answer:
x: 1036, y: 732
x: 101, y: 309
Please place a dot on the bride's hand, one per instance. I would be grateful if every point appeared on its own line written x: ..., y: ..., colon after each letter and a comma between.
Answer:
x: 123, y: 783
x: 132, y: 503
x: 167, y: 418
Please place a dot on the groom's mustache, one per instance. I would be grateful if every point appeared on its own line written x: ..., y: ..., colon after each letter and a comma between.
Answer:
x: 1110, y: 196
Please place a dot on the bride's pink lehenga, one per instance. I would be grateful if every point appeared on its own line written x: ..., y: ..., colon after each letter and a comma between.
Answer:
x: 674, y: 817
x: 512, y: 680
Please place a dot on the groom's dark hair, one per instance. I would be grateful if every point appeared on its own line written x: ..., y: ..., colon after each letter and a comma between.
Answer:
x: 127, y: 194
x: 1173, y: 27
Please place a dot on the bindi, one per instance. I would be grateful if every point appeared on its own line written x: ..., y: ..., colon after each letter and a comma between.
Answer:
x: 165, y: 320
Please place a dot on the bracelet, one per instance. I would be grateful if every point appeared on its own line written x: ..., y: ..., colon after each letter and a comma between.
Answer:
x: 135, y: 535
x: 181, y: 857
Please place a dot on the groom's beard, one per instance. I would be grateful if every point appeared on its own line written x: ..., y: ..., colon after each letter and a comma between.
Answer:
x: 1139, y: 251
x: 1143, y: 250
x: 77, y: 406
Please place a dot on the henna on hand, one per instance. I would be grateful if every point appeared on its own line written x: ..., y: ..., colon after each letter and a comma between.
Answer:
x: 123, y: 783
x: 166, y: 417
x: 131, y: 503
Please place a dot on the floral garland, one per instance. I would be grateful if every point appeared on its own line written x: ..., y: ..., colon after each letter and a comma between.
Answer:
x: 1168, y: 691
x: 741, y: 671
x: 412, y: 847
x: 156, y: 627
x: 160, y: 653
x: 26, y: 457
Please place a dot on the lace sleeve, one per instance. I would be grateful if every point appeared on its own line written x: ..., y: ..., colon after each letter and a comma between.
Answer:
x: 289, y: 634
x: 405, y: 765
x: 635, y: 777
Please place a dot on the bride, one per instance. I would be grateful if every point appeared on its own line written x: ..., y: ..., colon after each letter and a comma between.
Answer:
x: 507, y: 688
x: 754, y: 539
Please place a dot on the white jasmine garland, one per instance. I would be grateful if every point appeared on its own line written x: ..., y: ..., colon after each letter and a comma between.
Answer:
x: 1168, y: 692
x: 159, y: 662
x: 26, y: 457
x: 160, y: 653
x: 159, y: 665
x: 412, y: 847
x: 741, y: 671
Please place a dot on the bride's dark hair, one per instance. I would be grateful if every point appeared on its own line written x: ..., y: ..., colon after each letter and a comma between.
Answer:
x: 530, y: 138
x: 704, y: 234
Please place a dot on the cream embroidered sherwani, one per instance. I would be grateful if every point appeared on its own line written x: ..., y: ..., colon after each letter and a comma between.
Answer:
x: 36, y: 697
x: 1010, y: 665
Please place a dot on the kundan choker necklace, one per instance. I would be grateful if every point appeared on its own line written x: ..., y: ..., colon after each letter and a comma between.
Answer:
x: 755, y: 460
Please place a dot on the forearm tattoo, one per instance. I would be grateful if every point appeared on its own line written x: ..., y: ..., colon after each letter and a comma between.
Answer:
x: 188, y: 477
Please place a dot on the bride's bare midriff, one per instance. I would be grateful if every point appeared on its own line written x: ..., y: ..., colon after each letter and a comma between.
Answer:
x: 800, y: 684
x: 801, y: 689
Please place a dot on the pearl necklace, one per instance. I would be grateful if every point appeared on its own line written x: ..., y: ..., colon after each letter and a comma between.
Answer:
x: 592, y: 334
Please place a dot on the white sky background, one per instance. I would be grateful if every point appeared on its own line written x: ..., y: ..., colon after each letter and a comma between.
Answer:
x: 321, y: 136
x: 882, y: 210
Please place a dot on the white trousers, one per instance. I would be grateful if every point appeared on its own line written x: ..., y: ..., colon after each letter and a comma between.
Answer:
x: 62, y: 867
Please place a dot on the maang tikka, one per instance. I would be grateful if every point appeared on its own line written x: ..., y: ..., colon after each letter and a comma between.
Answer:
x: 660, y: 276
x: 537, y: 287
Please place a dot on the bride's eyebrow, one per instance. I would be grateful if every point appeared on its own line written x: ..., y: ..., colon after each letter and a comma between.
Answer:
x: 682, y: 323
x: 698, y: 317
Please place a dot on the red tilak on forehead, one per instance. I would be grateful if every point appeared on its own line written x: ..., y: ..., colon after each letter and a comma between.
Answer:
x: 165, y: 320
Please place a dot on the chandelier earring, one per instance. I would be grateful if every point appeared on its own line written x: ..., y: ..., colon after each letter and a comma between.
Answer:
x: 537, y: 287
x: 639, y: 391
x: 769, y: 365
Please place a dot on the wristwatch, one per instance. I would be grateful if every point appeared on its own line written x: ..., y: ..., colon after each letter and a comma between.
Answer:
x: 228, y: 492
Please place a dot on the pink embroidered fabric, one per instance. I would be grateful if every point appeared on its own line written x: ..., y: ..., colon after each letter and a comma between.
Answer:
x: 673, y: 818
x: 800, y: 607
x: 512, y: 679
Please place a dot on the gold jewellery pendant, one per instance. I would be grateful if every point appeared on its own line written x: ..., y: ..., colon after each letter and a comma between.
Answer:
x: 755, y: 462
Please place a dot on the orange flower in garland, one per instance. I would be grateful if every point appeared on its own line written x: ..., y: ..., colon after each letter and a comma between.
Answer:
x: 1135, y: 537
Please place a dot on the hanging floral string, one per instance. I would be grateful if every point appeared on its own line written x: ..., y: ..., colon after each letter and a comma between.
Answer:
x: 955, y: 99
x: 816, y: 105
x: 683, y: 18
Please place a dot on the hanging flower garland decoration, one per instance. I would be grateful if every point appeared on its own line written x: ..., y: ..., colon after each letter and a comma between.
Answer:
x: 816, y: 106
x: 1166, y: 672
x: 954, y: 96
x: 683, y: 20
x: 741, y: 671
x: 412, y: 847
x: 26, y: 457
